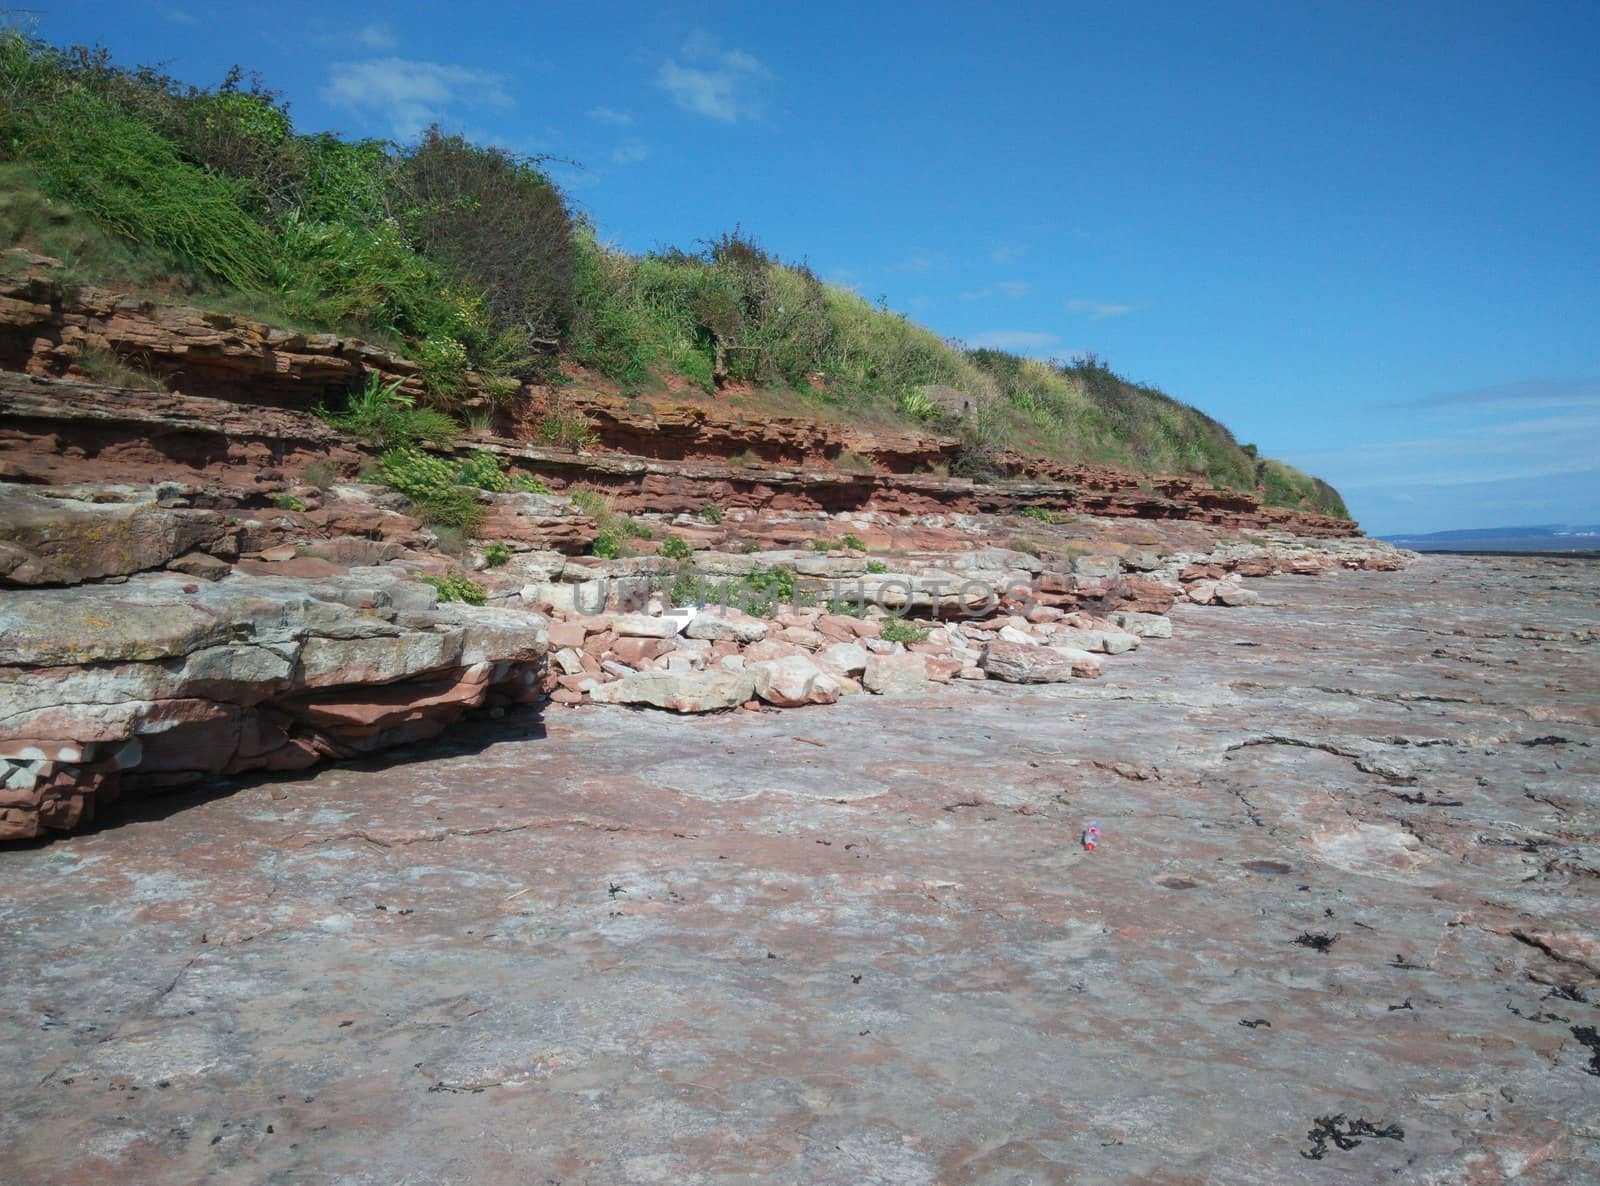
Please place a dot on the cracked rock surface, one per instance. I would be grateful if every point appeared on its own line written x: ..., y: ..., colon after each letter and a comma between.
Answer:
x: 1340, y: 928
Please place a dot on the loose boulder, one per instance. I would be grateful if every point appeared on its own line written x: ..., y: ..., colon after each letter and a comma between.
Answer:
x: 793, y: 681
x: 726, y: 628
x: 904, y: 674
x: 1021, y: 663
x: 679, y: 691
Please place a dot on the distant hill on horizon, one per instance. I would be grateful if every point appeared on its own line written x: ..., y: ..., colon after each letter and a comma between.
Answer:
x: 1543, y: 538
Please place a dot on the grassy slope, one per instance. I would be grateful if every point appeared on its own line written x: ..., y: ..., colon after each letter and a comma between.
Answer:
x: 208, y: 197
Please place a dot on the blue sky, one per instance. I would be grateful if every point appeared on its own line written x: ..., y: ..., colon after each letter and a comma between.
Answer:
x: 1364, y: 236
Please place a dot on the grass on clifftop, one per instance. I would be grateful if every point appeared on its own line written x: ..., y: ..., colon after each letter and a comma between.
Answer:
x: 469, y: 260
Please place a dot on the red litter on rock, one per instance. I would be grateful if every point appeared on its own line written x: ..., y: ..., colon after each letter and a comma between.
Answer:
x: 1091, y: 836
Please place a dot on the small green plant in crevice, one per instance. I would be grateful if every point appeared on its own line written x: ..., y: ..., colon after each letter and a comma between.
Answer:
x: 903, y: 632
x: 388, y: 417
x: 768, y: 589
x: 106, y: 366
x: 840, y: 607
x: 615, y: 530
x: 675, y: 548
x: 916, y: 405
x: 524, y: 484
x: 686, y: 587
x: 854, y: 463
x: 496, y: 554
x: 711, y: 513
x: 287, y: 502
x: 320, y: 474
x: 1041, y: 514
x: 458, y: 588
x: 563, y: 428
x: 852, y: 543
x: 749, y: 546
x: 876, y: 567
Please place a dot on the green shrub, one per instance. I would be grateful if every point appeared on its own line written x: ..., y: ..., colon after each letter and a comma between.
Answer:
x: 610, y: 543
x: 854, y: 542
x: 458, y: 588
x: 483, y: 470
x: 431, y: 484
x: 877, y: 567
x: 496, y: 554
x: 1042, y: 514
x: 675, y: 548
x: 389, y: 418
x: 287, y: 502
x: 711, y: 513
x: 499, y: 223
x: 899, y: 631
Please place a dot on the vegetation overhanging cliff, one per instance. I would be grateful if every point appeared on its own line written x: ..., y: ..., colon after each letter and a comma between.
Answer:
x: 469, y: 259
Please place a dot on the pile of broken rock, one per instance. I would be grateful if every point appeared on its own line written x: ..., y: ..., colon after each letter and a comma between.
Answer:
x: 715, y: 658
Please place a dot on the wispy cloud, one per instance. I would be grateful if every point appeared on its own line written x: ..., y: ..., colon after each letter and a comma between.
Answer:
x: 1007, y: 253
x: 630, y: 153
x: 1546, y: 392
x: 919, y: 263
x: 721, y: 84
x: 377, y: 37
x: 610, y: 115
x: 1023, y: 341
x: 1015, y: 289
x: 1100, y: 310
x: 1493, y: 450
x: 410, y: 95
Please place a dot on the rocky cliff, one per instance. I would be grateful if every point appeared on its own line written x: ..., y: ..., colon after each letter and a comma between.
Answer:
x: 200, y: 577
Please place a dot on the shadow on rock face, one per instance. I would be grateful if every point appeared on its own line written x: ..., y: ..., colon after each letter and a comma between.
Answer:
x: 464, y: 739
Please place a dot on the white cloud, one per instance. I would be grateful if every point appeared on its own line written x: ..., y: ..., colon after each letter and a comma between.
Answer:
x: 630, y: 153
x: 721, y: 84
x: 1006, y: 253
x: 1015, y: 289
x: 1022, y: 341
x: 610, y: 115
x: 410, y: 95
x: 377, y: 37
x: 977, y: 294
x: 1100, y: 310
